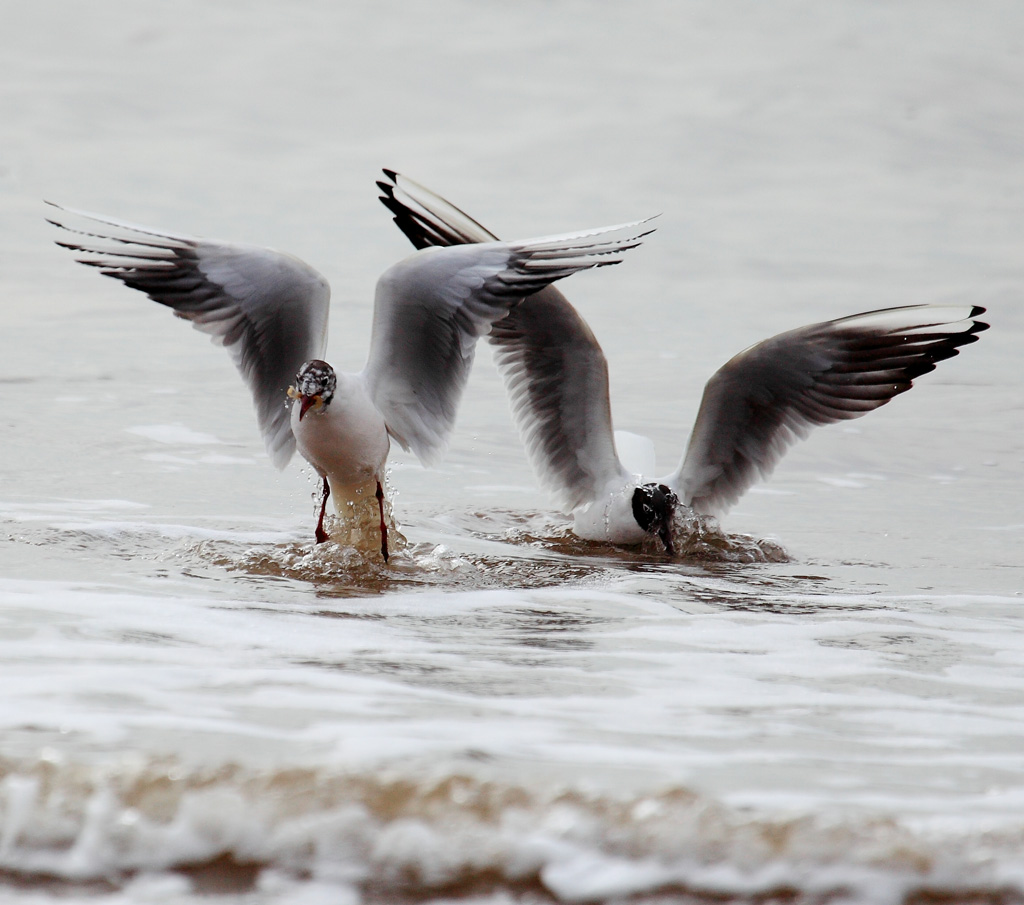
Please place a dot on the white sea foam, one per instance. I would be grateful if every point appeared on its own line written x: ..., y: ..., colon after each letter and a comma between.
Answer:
x: 399, y: 829
x: 358, y: 748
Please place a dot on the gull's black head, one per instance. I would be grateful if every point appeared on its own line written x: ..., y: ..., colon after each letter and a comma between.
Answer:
x: 314, y: 386
x: 654, y: 508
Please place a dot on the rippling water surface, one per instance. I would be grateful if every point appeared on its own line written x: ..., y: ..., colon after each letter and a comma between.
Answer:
x: 821, y: 700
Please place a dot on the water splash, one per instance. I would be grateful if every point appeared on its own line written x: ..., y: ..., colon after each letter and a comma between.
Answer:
x: 699, y: 538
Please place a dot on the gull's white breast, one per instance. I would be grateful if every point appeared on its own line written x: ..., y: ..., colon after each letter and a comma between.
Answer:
x: 347, y: 440
x: 610, y: 518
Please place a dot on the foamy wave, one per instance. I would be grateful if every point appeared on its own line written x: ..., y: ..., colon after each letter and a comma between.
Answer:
x: 408, y: 833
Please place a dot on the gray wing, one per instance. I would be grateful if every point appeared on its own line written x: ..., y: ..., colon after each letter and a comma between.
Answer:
x: 432, y: 307
x: 554, y: 370
x: 771, y: 395
x: 557, y: 379
x: 267, y: 308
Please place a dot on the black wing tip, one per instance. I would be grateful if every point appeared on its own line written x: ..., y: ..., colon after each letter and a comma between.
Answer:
x: 968, y: 336
x: 977, y: 326
x: 414, y: 230
x: 392, y: 205
x: 417, y: 229
x: 388, y: 188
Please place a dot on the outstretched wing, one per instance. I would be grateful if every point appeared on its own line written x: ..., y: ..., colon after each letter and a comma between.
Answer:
x: 267, y: 308
x: 432, y: 307
x: 771, y: 395
x: 554, y: 370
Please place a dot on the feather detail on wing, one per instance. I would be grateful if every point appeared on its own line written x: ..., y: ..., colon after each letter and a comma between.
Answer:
x: 557, y: 380
x: 267, y: 308
x: 427, y: 219
x: 771, y: 395
x: 433, y: 306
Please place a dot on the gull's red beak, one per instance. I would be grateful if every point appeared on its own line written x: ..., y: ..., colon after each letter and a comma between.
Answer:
x: 306, y: 403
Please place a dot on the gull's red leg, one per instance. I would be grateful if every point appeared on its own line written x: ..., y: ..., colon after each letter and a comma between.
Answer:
x: 322, y: 535
x: 383, y: 524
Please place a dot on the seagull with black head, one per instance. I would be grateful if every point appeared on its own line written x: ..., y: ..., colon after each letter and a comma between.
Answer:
x: 754, y: 407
